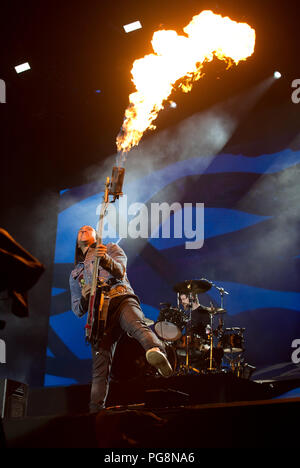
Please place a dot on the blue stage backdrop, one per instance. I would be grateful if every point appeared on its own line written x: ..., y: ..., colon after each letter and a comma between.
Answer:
x: 251, y: 248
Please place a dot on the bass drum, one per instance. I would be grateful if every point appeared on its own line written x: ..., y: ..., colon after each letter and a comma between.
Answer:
x: 170, y: 323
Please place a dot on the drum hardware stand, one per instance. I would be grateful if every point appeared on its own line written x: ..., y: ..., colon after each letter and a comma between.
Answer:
x: 211, y: 314
x: 183, y: 370
x: 221, y: 323
x: 188, y: 331
x: 186, y: 365
x: 235, y: 363
x: 213, y: 311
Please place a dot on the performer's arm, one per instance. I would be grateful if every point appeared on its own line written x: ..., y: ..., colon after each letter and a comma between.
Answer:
x: 78, y: 301
x: 115, y: 263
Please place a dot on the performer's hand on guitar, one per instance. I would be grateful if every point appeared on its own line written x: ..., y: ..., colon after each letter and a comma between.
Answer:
x: 85, y: 291
x: 101, y: 250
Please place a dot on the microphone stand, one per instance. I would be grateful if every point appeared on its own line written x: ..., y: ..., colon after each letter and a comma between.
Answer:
x: 188, y: 331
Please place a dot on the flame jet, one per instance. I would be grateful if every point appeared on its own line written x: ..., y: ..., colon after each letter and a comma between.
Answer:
x: 181, y: 58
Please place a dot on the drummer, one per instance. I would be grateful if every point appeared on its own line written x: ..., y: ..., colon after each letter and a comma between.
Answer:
x: 200, y: 321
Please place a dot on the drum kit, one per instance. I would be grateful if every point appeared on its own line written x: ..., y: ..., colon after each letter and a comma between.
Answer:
x: 194, y: 343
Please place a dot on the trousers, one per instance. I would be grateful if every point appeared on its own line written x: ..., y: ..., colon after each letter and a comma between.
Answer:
x: 130, y: 320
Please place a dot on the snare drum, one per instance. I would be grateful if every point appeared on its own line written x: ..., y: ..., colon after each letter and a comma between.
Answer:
x: 232, y: 340
x: 170, y: 323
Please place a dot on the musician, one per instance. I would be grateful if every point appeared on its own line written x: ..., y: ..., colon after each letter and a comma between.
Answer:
x: 198, y: 328
x: 124, y: 312
x: 199, y: 319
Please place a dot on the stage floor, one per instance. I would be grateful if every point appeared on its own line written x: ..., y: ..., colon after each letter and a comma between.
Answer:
x: 263, y: 424
x: 193, y: 411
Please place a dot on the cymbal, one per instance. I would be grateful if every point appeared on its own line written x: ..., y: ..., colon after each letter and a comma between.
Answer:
x: 215, y: 310
x: 209, y: 310
x: 148, y: 321
x: 193, y: 286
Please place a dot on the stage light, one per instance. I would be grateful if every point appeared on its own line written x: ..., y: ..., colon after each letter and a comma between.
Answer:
x: 173, y: 104
x: 132, y: 26
x: 23, y: 67
x: 277, y: 75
